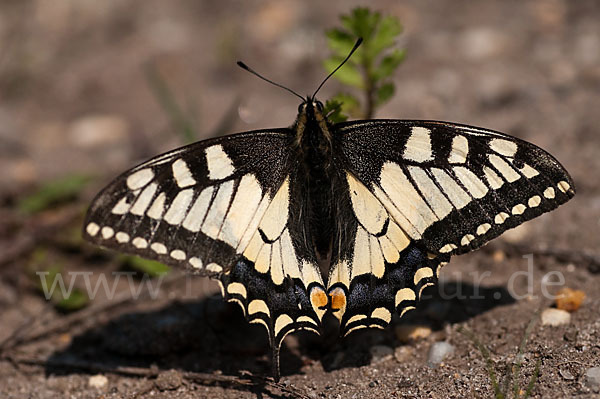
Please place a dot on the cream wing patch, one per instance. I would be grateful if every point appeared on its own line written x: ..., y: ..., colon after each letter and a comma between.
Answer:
x: 418, y: 145
x: 378, y: 238
x: 408, y: 208
x: 220, y: 166
x: 242, y: 209
x: 460, y: 150
x: 367, y: 209
x: 270, y: 246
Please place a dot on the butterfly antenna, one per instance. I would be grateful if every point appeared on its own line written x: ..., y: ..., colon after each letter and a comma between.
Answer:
x: 358, y: 42
x: 252, y: 71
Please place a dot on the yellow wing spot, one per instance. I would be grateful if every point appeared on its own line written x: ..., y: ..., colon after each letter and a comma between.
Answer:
x: 422, y: 273
x: 356, y: 317
x: 258, y: 306
x: 483, y: 228
x: 406, y: 309
x: 307, y: 320
x: 549, y: 193
x: 564, y: 186
x: 518, y: 209
x: 423, y: 287
x: 382, y: 314
x: 466, y: 240
x: 237, y: 288
x: 404, y: 294
x: 92, y: 229
x: 213, y: 267
x: 355, y: 328
x: 282, y: 322
x: 501, y: 217
x: 534, y: 201
x: 447, y: 248
x: 260, y: 321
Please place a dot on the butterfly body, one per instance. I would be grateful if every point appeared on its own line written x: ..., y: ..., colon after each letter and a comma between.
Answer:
x: 355, y: 218
x: 315, y: 167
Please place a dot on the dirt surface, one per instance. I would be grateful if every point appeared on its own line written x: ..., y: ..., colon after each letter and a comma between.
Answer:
x: 75, y: 98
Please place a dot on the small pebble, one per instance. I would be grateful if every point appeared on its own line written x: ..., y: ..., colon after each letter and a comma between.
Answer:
x: 407, y: 333
x: 97, y: 381
x: 438, y: 352
x: 403, y: 353
x: 592, y: 378
x: 168, y: 380
x: 555, y: 317
x: 569, y: 299
x: 566, y: 374
x: 380, y: 353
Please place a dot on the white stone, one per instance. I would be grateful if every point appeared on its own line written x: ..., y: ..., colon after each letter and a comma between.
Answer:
x: 438, y: 352
x: 97, y: 381
x: 555, y: 317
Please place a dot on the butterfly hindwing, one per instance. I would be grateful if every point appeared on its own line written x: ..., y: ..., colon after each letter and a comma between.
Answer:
x: 452, y: 187
x: 376, y: 267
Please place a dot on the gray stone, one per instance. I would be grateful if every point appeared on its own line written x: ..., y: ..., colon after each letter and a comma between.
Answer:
x: 592, y: 378
x: 168, y: 380
x: 438, y: 352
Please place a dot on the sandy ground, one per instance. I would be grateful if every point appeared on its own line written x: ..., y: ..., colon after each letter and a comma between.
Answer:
x: 74, y: 98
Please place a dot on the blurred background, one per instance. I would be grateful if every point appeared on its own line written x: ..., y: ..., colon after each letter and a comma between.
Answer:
x: 90, y: 88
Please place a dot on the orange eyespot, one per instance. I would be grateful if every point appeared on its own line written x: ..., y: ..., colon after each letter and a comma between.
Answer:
x: 318, y: 298
x: 338, y: 299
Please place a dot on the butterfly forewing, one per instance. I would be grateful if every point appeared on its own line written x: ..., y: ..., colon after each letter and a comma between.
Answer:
x: 452, y: 187
x: 193, y: 205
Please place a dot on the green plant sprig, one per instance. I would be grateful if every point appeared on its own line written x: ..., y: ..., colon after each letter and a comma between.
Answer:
x: 370, y: 69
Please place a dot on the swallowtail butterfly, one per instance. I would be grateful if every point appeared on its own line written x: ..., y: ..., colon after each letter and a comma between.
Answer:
x: 353, y: 218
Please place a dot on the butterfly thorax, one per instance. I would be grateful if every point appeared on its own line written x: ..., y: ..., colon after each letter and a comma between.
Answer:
x: 314, y: 151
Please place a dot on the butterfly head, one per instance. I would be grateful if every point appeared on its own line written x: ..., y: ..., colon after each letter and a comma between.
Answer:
x: 312, y: 120
x: 312, y: 108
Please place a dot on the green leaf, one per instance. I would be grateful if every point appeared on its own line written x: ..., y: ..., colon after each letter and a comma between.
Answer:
x: 386, y: 34
x: 385, y: 93
x: 388, y: 64
x: 75, y: 301
x: 372, y: 63
x: 340, y: 42
x: 53, y: 193
x: 333, y: 110
x: 361, y: 22
x: 150, y: 267
x: 348, y: 74
x: 349, y: 104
